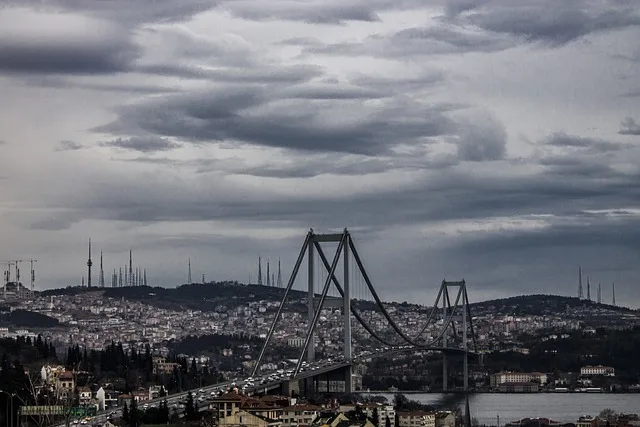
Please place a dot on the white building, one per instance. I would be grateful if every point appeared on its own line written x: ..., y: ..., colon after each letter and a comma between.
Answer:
x: 517, y: 377
x: 417, y: 419
x: 591, y: 371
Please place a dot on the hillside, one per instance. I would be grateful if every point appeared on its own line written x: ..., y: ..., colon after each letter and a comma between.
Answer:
x: 27, y: 319
x: 207, y: 296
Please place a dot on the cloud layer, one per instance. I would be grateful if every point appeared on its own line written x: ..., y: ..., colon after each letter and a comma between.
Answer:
x: 492, y: 140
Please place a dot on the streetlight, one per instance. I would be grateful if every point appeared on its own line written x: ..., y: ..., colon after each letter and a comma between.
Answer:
x: 11, y: 396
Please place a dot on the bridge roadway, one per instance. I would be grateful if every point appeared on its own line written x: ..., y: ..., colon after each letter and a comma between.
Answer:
x: 272, y: 380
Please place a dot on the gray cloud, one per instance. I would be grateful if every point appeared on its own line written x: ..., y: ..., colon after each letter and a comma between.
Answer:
x: 3, y: 142
x: 60, y: 44
x: 629, y: 127
x: 563, y: 140
x: 149, y: 144
x: 547, y: 21
x: 335, y: 121
x: 67, y: 145
x: 484, y: 139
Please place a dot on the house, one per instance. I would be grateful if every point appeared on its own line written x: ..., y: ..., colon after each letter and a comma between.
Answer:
x: 49, y: 374
x: 65, y: 385
x: 300, y: 414
x: 593, y: 371
x: 445, y: 419
x: 244, y: 418
x: 227, y: 404
x: 85, y: 396
x: 156, y: 391
x: 417, y: 419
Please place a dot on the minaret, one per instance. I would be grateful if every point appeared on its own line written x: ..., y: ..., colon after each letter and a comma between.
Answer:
x: 268, y: 275
x: 279, y: 284
x: 189, y: 281
x: 580, y: 295
x: 588, y: 289
x: 259, y: 271
x: 89, y: 264
x: 130, y: 267
x: 101, y: 280
x: 613, y: 300
x: 599, y: 294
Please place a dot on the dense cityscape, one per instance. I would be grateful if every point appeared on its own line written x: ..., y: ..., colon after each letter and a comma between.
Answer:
x: 460, y: 180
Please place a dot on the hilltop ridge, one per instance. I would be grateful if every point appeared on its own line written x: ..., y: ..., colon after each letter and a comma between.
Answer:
x: 206, y: 296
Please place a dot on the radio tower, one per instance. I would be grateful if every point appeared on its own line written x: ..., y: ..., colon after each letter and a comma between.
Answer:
x: 259, y: 271
x: 588, y: 290
x: 268, y: 275
x: 599, y: 294
x: 89, y: 264
x: 613, y: 301
x: 130, y: 267
x: 580, y: 295
x: 33, y: 276
x: 145, y: 277
x: 120, y: 278
x: 279, y: 283
x: 101, y: 280
x: 189, y: 276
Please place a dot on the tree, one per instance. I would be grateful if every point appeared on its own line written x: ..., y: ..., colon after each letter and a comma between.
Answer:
x: 190, y: 409
x: 609, y: 415
x: 387, y: 422
x: 375, y: 418
x: 134, y: 413
x: 125, y: 413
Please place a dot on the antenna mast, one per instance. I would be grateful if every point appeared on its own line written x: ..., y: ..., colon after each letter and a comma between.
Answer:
x: 189, y: 281
x: 580, y: 295
x: 614, y: 293
x: 89, y: 264
x: 259, y: 271
x: 279, y: 284
x: 130, y: 267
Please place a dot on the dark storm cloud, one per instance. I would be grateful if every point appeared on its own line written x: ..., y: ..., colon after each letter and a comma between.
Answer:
x: 548, y: 21
x: 148, y: 144
x: 563, y: 140
x: 493, y: 25
x: 67, y: 145
x: 448, y: 194
x: 629, y: 127
x: 256, y: 115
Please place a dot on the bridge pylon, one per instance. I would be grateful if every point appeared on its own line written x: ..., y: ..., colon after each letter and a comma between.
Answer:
x: 448, y: 312
x: 311, y: 245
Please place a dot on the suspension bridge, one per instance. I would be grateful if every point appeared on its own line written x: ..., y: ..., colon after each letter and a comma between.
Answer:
x: 447, y: 329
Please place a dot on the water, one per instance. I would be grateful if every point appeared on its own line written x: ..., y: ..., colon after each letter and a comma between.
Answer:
x: 562, y: 407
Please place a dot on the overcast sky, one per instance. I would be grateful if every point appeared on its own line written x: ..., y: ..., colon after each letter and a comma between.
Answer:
x: 494, y: 140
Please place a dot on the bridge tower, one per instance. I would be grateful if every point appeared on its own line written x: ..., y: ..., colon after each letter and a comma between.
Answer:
x: 464, y: 319
x: 311, y: 245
